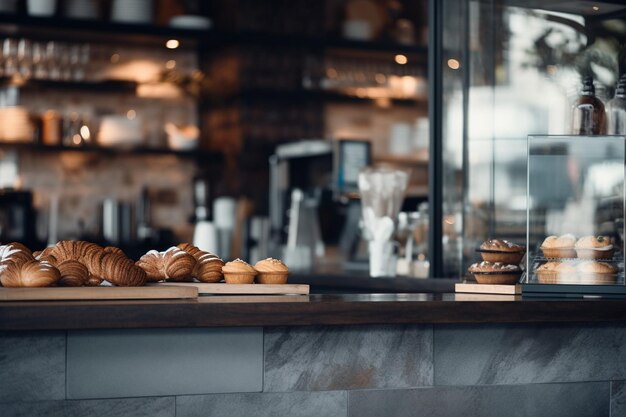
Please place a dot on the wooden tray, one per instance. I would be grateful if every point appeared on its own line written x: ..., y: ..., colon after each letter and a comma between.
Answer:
x: 97, y: 293
x: 221, y: 288
x: 487, y: 288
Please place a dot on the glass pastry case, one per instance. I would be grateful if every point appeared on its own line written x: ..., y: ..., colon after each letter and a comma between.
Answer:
x: 575, y: 215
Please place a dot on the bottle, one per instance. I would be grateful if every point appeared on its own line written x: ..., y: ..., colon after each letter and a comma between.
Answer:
x: 589, y: 117
x: 616, y: 110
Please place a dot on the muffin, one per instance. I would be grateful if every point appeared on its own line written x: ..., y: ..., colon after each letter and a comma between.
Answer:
x: 566, y: 273
x: 503, y: 251
x: 559, y: 247
x: 495, y: 273
x: 238, y: 272
x: 271, y: 271
x: 593, y: 272
x: 594, y: 247
x: 546, y: 273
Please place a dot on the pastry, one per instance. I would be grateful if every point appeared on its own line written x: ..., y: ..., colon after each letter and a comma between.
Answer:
x: 14, y: 253
x: 495, y: 273
x: 594, y: 247
x: 73, y: 274
x: 208, y: 266
x: 174, y: 264
x: 122, y: 271
x: 546, y: 273
x: 271, y: 271
x: 31, y: 273
x: 238, y: 272
x: 566, y: 273
x: 593, y: 272
x: 559, y: 247
x: 503, y: 251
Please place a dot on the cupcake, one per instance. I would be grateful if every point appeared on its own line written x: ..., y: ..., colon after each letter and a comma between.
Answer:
x: 271, y: 271
x: 594, y: 247
x: 503, y: 251
x: 495, y: 273
x: 559, y: 247
x: 592, y: 272
x: 546, y: 273
x: 238, y: 272
x: 566, y: 273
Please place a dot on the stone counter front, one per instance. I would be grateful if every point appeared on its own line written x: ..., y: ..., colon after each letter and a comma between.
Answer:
x: 356, y: 370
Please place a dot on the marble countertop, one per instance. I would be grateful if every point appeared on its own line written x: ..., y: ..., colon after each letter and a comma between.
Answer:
x: 316, y: 309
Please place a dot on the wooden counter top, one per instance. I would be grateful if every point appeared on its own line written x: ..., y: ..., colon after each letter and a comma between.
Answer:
x: 324, y: 309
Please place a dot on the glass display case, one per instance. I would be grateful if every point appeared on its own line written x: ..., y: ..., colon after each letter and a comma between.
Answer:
x: 508, y: 69
x: 575, y: 214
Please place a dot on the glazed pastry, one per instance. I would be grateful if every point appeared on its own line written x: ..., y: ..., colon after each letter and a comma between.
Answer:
x: 594, y: 247
x: 208, y: 266
x: 503, y: 251
x: 559, y: 247
x: 495, y: 273
x: 73, y: 274
x: 174, y: 264
x: 271, y: 271
x: 546, y: 273
x: 594, y: 273
x: 238, y: 272
x: 14, y: 253
x: 30, y: 274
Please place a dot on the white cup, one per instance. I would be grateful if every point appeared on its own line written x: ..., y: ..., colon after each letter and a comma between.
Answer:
x: 41, y: 7
x: 205, y: 237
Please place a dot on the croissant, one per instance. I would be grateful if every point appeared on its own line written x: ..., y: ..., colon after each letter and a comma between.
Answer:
x: 30, y: 274
x: 174, y: 264
x: 208, y: 265
x: 73, y: 273
x: 113, y: 249
x: 14, y: 253
x: 120, y: 270
x: 93, y: 281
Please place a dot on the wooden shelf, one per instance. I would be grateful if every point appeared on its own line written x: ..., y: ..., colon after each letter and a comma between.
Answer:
x: 112, y: 151
x: 104, y: 31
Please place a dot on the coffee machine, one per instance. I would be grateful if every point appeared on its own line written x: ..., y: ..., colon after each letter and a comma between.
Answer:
x: 17, y: 217
x: 313, y: 185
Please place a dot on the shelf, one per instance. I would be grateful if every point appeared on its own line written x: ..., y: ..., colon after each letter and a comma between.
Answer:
x: 109, y: 86
x: 18, y: 25
x: 272, y: 94
x: 195, y: 153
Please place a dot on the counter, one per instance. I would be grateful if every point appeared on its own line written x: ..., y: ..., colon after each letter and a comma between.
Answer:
x: 436, y: 354
x: 316, y: 309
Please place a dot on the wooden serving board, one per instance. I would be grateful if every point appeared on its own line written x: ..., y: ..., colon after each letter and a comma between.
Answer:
x: 97, y: 293
x: 222, y: 288
x: 487, y: 288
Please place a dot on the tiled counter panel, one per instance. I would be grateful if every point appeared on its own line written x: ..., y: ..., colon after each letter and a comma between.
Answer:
x: 371, y: 370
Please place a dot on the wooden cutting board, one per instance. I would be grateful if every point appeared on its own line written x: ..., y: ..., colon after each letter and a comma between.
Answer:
x: 487, y: 288
x: 221, y: 288
x: 97, y: 293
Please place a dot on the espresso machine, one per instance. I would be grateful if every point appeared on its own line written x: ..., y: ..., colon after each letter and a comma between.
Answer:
x: 313, y: 185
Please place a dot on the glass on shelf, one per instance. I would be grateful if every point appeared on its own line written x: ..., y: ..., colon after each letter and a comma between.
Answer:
x: 616, y: 110
x: 575, y: 210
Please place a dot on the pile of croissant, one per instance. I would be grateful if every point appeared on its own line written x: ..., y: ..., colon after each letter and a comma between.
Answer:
x: 81, y: 263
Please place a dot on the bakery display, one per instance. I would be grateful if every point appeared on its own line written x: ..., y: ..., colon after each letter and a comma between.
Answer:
x: 174, y: 264
x: 501, y: 250
x: 208, y: 266
x: 238, y: 272
x: 559, y: 246
x: 596, y: 273
x: 74, y: 263
x: 566, y: 273
x: 594, y: 247
x: 495, y: 272
x: 271, y: 271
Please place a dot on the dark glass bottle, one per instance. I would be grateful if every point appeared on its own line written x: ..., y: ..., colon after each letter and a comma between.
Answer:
x: 589, y: 117
x: 616, y: 110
